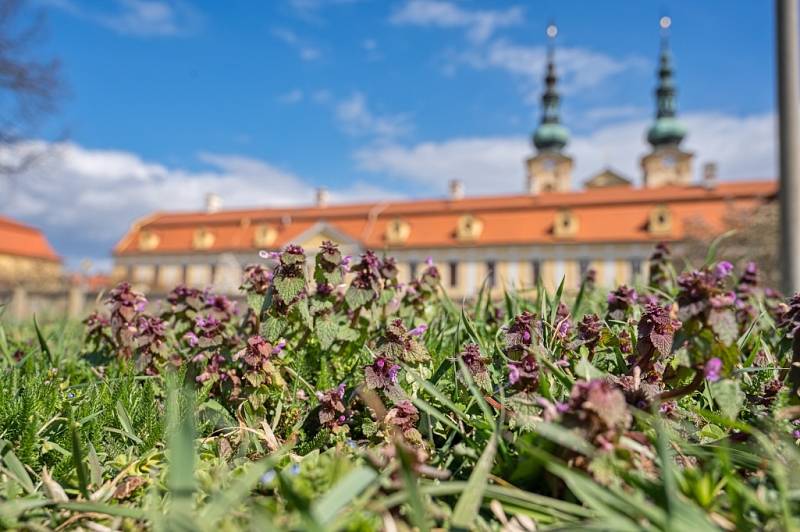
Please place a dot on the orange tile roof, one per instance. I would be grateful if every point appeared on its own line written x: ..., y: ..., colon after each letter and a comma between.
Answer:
x: 604, y: 215
x: 21, y: 240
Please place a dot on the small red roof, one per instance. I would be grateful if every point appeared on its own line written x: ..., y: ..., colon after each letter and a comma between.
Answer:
x: 18, y: 239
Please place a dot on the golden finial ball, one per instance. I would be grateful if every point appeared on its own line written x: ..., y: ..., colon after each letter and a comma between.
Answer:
x: 665, y: 22
x: 552, y: 31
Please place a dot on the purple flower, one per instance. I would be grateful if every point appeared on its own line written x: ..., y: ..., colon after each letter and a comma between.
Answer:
x: 513, y: 374
x: 191, y: 338
x: 429, y: 261
x: 381, y: 374
x: 269, y: 255
x: 723, y: 269
x: 276, y: 350
x: 712, y: 369
x: 419, y: 330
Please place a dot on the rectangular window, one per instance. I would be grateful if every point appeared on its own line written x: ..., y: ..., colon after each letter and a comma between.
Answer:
x: 536, y: 270
x: 584, y: 267
x: 412, y: 270
x: 490, y: 274
x: 636, y: 269
x: 453, y: 274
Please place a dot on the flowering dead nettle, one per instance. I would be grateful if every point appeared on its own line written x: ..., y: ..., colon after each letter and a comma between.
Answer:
x: 659, y: 267
x: 151, y: 343
x: 388, y: 270
x: 405, y: 416
x: 589, y: 331
x: 476, y: 364
x: 563, y: 325
x: 365, y: 287
x: 125, y: 304
x: 256, y: 354
x: 705, y: 301
x: 656, y: 332
x: 397, y: 343
x: 746, y: 291
x: 183, y: 298
x: 520, y: 334
x: 332, y: 412
x: 598, y: 409
x: 382, y: 375
x: 256, y: 279
x: 523, y: 375
x: 620, y: 303
x: 329, y: 269
x: 289, y: 278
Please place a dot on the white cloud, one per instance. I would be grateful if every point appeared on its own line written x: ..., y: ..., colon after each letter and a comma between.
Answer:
x: 305, y: 50
x: 90, y: 197
x: 479, y: 24
x: 743, y: 147
x: 143, y: 18
x: 291, y: 97
x: 578, y: 68
x: 356, y: 118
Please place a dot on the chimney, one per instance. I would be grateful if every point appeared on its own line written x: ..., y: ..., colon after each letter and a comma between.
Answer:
x: 710, y: 175
x: 322, y: 197
x: 213, y: 203
x: 456, y: 189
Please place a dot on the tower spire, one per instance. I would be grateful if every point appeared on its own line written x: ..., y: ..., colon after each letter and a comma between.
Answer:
x: 666, y: 131
x: 550, y: 135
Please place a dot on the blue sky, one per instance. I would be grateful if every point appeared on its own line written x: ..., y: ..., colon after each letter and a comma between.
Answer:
x: 263, y: 101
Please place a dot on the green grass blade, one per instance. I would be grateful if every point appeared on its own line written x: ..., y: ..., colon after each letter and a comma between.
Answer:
x: 469, y: 503
x: 347, y: 489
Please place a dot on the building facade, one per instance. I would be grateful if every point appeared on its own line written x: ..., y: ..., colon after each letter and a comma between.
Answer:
x: 549, y: 232
x: 26, y: 257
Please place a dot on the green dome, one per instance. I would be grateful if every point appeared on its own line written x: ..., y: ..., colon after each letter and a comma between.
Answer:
x: 666, y: 131
x: 550, y: 136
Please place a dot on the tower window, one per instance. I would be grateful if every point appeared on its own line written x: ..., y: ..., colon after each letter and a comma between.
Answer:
x: 453, y: 274
x: 491, y: 277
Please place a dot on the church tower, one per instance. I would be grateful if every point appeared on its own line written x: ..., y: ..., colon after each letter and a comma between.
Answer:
x: 550, y: 170
x: 667, y: 163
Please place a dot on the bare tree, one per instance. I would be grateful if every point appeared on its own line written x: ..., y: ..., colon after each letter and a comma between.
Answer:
x: 753, y: 236
x: 29, y: 83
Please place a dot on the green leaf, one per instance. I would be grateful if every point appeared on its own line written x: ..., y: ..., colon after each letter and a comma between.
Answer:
x: 125, y: 422
x: 15, y: 467
x: 340, y: 495
x: 326, y: 330
x: 289, y: 287
x: 728, y: 396
x: 237, y: 491
x: 469, y: 503
x: 42, y: 342
x: 181, y: 457
x: 77, y: 454
x: 358, y: 297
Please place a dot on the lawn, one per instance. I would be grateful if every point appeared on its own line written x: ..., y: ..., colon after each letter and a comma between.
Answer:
x: 338, y: 398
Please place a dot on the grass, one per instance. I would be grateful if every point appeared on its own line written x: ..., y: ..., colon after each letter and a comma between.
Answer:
x: 366, y: 405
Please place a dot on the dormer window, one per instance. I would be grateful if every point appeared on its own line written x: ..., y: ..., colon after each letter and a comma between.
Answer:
x: 660, y: 220
x: 469, y: 228
x: 565, y: 224
x: 397, y: 231
x: 264, y: 235
x: 148, y: 240
x: 203, y: 239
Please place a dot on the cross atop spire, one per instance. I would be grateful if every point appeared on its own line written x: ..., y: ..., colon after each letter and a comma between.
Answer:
x: 550, y: 135
x: 666, y: 130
